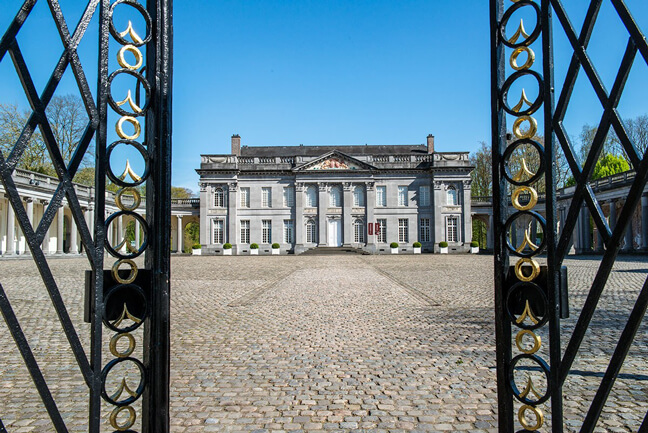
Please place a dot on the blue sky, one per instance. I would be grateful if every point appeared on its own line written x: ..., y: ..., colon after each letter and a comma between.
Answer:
x: 334, y: 72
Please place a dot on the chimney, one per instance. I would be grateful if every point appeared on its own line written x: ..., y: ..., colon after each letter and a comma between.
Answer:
x: 430, y: 143
x: 236, y: 145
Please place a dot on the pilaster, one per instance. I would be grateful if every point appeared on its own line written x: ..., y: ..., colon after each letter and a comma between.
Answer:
x: 11, y: 230
x: 59, y: 229
x: 232, y: 202
x: 347, y: 224
x: 322, y: 206
x: 204, y: 223
x: 370, y: 203
x: 299, y: 217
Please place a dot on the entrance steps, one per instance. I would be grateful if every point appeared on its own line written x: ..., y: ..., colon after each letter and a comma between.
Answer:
x: 322, y: 251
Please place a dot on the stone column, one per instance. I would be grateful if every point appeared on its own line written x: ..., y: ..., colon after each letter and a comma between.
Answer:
x: 137, y: 233
x: 587, y: 244
x: 204, y: 223
x: 322, y: 206
x: 59, y: 229
x: 599, y: 241
x: 644, y: 222
x: 73, y: 236
x: 489, y: 233
x: 467, y: 213
x: 299, y: 217
x: 120, y: 233
x: 30, y: 217
x: 46, y: 239
x: 370, y: 203
x: 347, y: 224
x: 11, y: 230
x: 629, y: 244
x: 180, y: 233
x: 232, y: 214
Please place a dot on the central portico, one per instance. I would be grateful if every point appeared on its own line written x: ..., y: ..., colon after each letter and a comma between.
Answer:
x: 304, y: 197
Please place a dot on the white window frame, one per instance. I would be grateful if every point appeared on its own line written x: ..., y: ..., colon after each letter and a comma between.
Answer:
x: 381, y: 196
x: 288, y: 196
x: 245, y: 231
x: 289, y: 231
x: 266, y: 231
x: 266, y: 196
x: 245, y: 197
x: 311, y: 231
x: 219, y: 196
x: 451, y: 196
x: 402, y: 195
x: 452, y: 235
x: 335, y: 196
x: 381, y: 236
x: 311, y: 196
x: 218, y: 231
x: 359, y: 231
x: 359, y: 196
x: 424, y: 230
x: 424, y: 195
x: 403, y: 230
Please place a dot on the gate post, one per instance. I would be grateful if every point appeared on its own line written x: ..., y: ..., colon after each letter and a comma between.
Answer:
x: 155, y: 407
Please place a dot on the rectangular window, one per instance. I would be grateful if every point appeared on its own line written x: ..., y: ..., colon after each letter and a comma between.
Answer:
x: 358, y: 231
x: 452, y: 229
x: 403, y: 230
x: 381, y: 233
x: 311, y: 231
x: 266, y: 197
x: 245, y: 197
x: 381, y: 196
x: 402, y: 196
x: 424, y: 195
x: 266, y: 235
x: 245, y: 232
x: 218, y: 232
x: 289, y: 231
x: 425, y: 230
x: 288, y: 196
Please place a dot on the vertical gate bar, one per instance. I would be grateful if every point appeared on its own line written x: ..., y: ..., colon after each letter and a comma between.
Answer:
x: 498, y: 129
x: 155, y: 406
x: 553, y: 265
x: 94, y: 422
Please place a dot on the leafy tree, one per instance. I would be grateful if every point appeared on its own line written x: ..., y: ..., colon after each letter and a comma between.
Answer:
x: 609, y: 165
x: 482, y: 178
x: 181, y: 192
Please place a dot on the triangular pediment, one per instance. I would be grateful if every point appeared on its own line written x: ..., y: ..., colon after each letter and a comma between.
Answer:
x: 334, y: 161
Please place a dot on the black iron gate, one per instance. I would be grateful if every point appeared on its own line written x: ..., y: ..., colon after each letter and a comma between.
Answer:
x: 129, y: 301
x: 531, y: 297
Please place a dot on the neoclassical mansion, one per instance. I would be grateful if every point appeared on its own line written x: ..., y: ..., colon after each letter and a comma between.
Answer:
x: 361, y: 196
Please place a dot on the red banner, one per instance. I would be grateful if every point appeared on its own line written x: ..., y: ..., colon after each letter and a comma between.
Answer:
x: 370, y: 229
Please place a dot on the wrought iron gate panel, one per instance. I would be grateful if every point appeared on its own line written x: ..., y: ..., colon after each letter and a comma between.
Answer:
x: 143, y: 293
x: 524, y: 290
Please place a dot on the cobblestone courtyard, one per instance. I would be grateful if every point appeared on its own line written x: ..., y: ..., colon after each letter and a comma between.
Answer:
x: 326, y: 343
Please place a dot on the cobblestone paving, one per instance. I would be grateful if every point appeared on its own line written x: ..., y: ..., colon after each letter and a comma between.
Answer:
x: 326, y: 344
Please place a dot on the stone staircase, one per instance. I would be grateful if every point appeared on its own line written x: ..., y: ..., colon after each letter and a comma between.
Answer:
x: 329, y: 251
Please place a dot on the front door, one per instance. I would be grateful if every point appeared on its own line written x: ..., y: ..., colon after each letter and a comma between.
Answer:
x: 335, y: 233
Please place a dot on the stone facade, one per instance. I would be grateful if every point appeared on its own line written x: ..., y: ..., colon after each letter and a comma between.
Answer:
x: 304, y: 197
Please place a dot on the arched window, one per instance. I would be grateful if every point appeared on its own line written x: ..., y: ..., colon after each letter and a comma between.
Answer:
x: 219, y: 197
x: 335, y: 197
x: 311, y: 231
x: 311, y: 196
x: 359, y: 231
x: 452, y: 196
x: 358, y: 196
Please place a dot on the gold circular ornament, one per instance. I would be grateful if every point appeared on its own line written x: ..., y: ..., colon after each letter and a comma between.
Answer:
x: 530, y: 132
x: 137, y: 198
x: 515, y: 198
x: 128, y: 423
x: 539, y: 417
x: 535, y: 270
x: 131, y: 275
x: 120, y: 127
x: 113, y: 345
x: 537, y: 341
x: 121, y: 57
x: 513, y: 60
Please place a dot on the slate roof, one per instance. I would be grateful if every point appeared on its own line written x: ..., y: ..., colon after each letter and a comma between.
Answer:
x: 403, y: 149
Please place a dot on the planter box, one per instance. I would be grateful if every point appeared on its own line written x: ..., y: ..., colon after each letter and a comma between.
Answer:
x: 417, y: 250
x: 196, y: 251
x: 443, y: 250
x: 474, y: 250
x: 394, y: 250
x: 254, y: 252
x: 227, y: 252
x: 275, y: 251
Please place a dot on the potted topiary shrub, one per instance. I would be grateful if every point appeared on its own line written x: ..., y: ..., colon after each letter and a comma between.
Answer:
x: 417, y: 247
x: 196, y: 249
x: 254, y: 249
x: 275, y: 249
x: 227, y: 249
x: 394, y: 247
x: 443, y: 247
x: 474, y: 247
